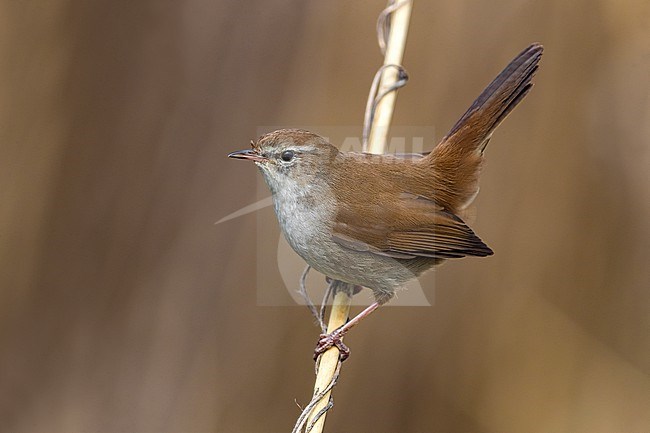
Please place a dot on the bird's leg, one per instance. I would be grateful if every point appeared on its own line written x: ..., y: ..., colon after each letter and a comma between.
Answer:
x: 335, y: 337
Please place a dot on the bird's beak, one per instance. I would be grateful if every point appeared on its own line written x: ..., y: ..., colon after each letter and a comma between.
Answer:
x: 247, y: 154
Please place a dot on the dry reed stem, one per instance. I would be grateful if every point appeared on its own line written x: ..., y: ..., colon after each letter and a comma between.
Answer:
x: 394, y: 54
x: 329, y: 362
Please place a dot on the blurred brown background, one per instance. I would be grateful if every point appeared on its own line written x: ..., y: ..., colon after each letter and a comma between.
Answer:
x: 123, y: 308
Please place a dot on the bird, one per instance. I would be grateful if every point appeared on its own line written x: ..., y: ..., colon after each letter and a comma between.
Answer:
x: 379, y: 221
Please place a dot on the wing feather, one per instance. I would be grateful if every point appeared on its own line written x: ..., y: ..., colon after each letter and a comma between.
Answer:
x: 429, y: 231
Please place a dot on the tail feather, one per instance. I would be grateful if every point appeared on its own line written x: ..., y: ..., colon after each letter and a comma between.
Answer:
x: 498, y: 99
x: 457, y: 158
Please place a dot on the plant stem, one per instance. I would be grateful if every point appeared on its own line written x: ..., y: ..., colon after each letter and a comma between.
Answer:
x: 329, y: 362
x: 394, y: 53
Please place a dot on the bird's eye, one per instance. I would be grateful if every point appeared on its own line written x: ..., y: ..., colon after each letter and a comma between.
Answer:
x: 287, y: 155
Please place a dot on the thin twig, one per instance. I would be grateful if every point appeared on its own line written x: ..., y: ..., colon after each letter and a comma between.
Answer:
x: 303, y: 292
x: 373, y: 98
x: 330, y: 404
x: 314, y: 401
x: 325, y: 303
x: 383, y: 23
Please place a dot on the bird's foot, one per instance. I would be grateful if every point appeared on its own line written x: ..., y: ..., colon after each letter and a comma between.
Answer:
x: 332, y: 339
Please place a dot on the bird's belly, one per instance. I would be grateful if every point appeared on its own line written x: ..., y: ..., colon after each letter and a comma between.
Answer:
x: 307, y: 230
x: 377, y: 272
x: 311, y: 238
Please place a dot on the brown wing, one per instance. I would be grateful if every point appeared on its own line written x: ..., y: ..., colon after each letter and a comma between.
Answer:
x: 426, y: 230
x: 448, y: 237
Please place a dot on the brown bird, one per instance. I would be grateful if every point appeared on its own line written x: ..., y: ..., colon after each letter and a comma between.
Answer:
x: 381, y: 220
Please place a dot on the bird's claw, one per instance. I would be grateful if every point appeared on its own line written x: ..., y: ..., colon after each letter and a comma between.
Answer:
x: 327, y: 341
